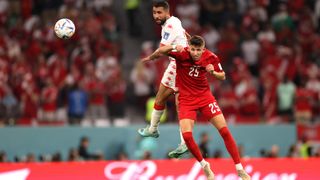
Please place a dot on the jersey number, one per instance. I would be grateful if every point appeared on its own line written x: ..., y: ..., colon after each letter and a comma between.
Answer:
x: 214, y: 107
x: 194, y: 71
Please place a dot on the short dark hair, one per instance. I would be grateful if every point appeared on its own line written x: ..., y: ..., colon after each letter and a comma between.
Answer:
x: 161, y: 3
x: 84, y: 138
x: 196, y: 41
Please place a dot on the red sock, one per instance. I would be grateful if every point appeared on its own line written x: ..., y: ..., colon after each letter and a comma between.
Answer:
x: 192, y: 146
x: 230, y: 144
x: 158, y: 107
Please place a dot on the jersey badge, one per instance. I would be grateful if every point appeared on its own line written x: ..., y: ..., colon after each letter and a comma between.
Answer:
x: 166, y: 35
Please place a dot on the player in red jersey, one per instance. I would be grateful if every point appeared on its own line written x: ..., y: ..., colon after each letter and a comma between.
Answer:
x: 193, y: 63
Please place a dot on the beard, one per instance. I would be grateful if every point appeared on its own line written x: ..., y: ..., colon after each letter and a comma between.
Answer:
x: 161, y: 21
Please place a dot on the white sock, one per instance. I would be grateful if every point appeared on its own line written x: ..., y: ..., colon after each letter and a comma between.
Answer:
x: 181, y: 137
x: 155, y: 119
x: 239, y: 167
x: 203, y: 163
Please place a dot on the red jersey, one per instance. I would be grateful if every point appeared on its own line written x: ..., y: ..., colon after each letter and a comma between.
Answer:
x: 191, y: 76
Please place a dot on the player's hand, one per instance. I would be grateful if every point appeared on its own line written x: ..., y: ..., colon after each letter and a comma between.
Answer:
x: 187, y: 35
x: 209, y: 68
x: 179, y: 48
x: 146, y: 59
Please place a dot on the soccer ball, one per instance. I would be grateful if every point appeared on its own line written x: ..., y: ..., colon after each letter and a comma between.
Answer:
x: 64, y: 28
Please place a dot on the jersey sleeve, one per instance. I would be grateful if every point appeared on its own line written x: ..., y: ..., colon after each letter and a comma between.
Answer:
x: 179, y: 56
x: 215, y: 61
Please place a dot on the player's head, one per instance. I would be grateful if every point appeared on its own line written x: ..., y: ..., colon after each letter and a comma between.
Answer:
x: 196, y: 47
x: 160, y: 11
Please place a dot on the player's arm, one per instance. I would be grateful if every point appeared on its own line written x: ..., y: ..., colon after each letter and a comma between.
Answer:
x: 163, y: 50
x: 188, y: 36
x: 219, y: 75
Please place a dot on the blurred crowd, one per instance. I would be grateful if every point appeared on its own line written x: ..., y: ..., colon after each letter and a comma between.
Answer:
x: 80, y: 153
x: 270, y: 50
x: 47, y: 79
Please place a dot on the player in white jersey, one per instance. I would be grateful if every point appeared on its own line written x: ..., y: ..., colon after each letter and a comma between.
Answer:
x: 172, y: 34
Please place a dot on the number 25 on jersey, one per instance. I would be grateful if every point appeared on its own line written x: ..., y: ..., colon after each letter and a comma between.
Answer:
x: 214, y: 107
x: 194, y: 71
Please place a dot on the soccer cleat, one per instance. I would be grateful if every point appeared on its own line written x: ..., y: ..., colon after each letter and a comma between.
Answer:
x: 179, y: 151
x: 243, y: 175
x: 145, y: 132
x: 208, y: 172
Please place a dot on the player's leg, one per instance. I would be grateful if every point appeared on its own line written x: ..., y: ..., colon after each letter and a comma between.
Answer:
x: 220, y: 123
x: 186, y: 126
x: 161, y: 98
x: 166, y: 88
x: 182, y: 148
x: 159, y: 105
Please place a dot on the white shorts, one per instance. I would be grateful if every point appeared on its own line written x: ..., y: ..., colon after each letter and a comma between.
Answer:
x: 169, y: 76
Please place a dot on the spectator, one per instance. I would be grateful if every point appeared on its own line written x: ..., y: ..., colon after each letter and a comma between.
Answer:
x: 30, y: 158
x: 274, y: 152
x: 282, y: 23
x: 84, y: 149
x: 74, y: 155
x: 250, y: 49
x: 132, y: 11
x: 211, y: 12
x: 11, y: 106
x: 293, y: 151
x: 305, y: 147
x: 217, y: 154
x: 96, y: 91
x: 188, y: 13
x: 56, y: 157
x: 228, y: 101
x: 3, y: 157
x: 122, y: 156
x: 263, y: 153
x: 203, y: 145
x: 317, y: 152
x: 303, y: 105
x: 142, y: 78
x: 146, y: 155
x: 285, y: 94
x: 48, y: 100
x: 77, y: 104
x: 116, y: 88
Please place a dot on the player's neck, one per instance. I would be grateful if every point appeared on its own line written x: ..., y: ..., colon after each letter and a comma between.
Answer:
x: 168, y: 17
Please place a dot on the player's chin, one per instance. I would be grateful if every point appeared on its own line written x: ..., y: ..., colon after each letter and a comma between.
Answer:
x: 196, y: 58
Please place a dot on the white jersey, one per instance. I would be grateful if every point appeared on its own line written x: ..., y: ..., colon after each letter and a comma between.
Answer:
x: 172, y: 33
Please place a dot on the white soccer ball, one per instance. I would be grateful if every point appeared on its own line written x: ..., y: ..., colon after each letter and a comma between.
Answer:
x: 64, y: 28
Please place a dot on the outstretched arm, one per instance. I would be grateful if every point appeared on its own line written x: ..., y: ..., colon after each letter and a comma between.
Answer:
x: 187, y: 35
x: 218, y: 75
x: 163, y: 50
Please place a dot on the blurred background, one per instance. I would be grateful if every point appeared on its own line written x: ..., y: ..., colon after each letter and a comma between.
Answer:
x: 84, y: 98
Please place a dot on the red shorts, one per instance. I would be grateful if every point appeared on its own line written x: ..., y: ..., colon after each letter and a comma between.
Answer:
x: 207, y: 105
